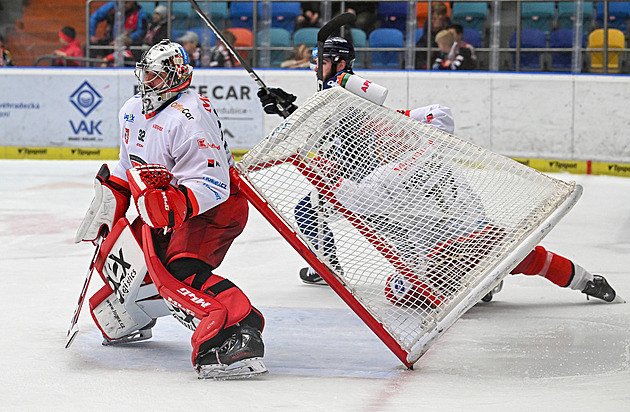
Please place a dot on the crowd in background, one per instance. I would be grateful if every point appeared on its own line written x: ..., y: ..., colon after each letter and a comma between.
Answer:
x: 146, y: 23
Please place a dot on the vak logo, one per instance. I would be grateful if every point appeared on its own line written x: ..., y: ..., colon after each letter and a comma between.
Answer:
x: 85, y: 98
x: 129, y: 117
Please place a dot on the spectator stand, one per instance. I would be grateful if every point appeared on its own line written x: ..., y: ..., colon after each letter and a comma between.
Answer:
x: 566, y: 15
x: 598, y: 54
x: 471, y: 15
x: 618, y: 14
x: 527, y: 57
x: 386, y: 45
x: 562, y: 39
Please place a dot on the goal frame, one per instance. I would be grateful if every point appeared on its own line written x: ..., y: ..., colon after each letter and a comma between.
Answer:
x: 449, y: 317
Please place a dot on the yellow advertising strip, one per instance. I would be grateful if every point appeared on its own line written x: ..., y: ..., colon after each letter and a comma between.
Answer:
x: 108, y: 153
x: 556, y: 166
x: 587, y: 167
x: 58, y: 153
x: 70, y: 153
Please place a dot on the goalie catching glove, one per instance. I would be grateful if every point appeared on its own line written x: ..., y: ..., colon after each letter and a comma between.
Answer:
x: 159, y: 204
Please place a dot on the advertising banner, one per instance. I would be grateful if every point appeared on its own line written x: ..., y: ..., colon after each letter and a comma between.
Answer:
x: 44, y: 109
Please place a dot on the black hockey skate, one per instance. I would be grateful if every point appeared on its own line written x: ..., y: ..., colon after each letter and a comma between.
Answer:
x: 139, y: 335
x: 239, y: 356
x: 600, y: 289
x: 310, y: 277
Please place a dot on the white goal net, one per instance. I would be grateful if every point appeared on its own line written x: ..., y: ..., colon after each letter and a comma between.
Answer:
x: 414, y: 223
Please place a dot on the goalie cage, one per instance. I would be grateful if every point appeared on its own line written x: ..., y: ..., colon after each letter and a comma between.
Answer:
x: 409, y: 261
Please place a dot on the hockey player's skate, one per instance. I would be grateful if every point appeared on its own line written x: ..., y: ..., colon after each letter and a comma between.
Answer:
x: 310, y: 277
x: 493, y: 292
x: 139, y: 335
x: 600, y: 289
x: 239, y: 356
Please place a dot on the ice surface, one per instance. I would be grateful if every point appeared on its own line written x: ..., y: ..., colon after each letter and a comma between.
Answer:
x: 534, y: 347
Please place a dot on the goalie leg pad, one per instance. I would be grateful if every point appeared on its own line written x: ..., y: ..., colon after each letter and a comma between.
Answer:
x: 218, y: 305
x: 128, y: 302
x: 113, y: 319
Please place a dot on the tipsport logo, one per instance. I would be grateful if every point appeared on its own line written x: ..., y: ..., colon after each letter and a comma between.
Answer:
x: 85, y: 98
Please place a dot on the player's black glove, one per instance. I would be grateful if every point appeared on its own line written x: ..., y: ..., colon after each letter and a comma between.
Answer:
x: 275, y: 99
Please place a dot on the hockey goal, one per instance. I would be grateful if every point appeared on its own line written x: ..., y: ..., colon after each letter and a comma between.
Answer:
x: 409, y: 225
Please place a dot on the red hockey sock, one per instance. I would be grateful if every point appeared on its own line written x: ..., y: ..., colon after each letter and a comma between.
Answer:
x: 557, y: 269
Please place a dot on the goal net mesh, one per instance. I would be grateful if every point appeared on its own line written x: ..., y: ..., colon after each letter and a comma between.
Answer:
x: 407, y: 217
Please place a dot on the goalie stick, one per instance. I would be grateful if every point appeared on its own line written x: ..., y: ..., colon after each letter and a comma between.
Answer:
x: 74, y: 328
x: 323, y: 33
x: 236, y: 55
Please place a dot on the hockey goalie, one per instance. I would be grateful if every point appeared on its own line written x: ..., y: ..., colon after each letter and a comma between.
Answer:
x: 410, y: 225
x: 174, y: 166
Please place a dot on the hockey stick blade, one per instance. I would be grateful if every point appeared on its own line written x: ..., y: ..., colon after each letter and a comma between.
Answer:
x: 236, y: 54
x: 330, y: 27
x: 72, y: 333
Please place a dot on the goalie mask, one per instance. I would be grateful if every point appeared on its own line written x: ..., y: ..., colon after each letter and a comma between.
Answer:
x: 163, y: 72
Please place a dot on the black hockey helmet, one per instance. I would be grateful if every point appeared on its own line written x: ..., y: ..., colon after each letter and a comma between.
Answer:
x: 337, y: 49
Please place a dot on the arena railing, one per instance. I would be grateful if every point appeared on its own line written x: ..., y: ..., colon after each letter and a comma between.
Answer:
x: 504, y: 19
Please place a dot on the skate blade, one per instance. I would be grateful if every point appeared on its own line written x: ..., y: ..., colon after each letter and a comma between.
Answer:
x: 134, y: 337
x: 318, y: 283
x: 618, y: 299
x: 239, y: 370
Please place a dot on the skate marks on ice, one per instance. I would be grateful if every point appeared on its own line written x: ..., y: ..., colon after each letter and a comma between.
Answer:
x: 304, y: 342
x: 535, y: 340
x: 496, y: 340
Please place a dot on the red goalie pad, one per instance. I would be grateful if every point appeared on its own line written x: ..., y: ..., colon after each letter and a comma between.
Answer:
x: 218, y: 305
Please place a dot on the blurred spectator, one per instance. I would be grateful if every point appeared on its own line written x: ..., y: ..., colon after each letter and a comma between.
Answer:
x: 309, y: 16
x: 135, y: 23
x: 69, y: 48
x: 5, y: 55
x: 366, y: 13
x: 190, y: 43
x: 458, y: 33
x: 157, y: 28
x: 439, y: 22
x: 220, y: 56
x: 451, y: 57
x: 128, y: 58
x: 300, y: 58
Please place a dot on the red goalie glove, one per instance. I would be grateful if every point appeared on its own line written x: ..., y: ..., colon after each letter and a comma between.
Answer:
x: 159, y: 203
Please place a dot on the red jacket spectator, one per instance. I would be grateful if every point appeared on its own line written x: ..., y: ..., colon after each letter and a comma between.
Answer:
x: 70, y: 48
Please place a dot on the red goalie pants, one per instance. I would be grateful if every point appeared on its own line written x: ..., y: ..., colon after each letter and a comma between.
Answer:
x: 549, y: 265
x: 207, y: 236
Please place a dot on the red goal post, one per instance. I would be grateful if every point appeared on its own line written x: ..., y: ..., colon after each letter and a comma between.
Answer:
x: 409, y: 225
